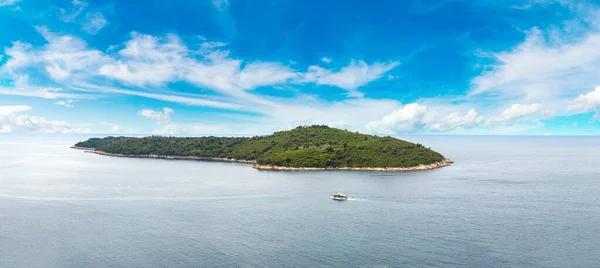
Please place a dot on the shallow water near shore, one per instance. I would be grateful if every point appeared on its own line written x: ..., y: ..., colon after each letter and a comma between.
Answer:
x: 505, y: 202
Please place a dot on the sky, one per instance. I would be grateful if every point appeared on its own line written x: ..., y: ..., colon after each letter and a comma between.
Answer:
x: 235, y: 67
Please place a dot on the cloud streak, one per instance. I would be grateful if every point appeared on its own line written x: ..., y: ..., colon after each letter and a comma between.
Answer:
x: 8, y: 2
x: 586, y: 102
x: 12, y: 120
x: 350, y: 77
x: 146, y: 62
x: 542, y: 69
x: 522, y: 111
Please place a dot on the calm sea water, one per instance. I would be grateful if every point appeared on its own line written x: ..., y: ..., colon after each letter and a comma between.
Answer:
x: 506, y: 202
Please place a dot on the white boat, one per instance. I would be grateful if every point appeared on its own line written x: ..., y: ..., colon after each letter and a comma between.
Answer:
x: 339, y: 197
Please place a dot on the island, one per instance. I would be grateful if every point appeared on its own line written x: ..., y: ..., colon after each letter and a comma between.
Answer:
x: 316, y: 147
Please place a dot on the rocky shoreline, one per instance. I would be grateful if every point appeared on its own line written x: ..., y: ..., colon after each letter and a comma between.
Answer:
x: 440, y: 164
x: 82, y: 148
x: 443, y: 163
x: 177, y: 157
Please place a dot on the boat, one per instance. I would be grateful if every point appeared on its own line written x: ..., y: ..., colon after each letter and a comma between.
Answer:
x: 339, y: 197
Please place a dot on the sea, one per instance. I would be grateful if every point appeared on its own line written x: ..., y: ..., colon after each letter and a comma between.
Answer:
x: 507, y: 201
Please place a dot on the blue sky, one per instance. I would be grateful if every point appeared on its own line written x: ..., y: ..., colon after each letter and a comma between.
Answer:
x: 252, y: 67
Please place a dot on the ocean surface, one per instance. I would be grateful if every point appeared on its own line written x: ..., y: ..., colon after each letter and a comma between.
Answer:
x: 506, y: 202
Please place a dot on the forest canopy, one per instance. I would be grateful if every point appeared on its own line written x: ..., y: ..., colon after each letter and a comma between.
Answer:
x: 306, y: 146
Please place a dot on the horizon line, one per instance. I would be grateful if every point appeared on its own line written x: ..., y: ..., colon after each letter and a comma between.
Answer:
x: 250, y: 134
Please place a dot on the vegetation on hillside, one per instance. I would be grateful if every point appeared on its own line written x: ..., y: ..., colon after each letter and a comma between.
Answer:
x: 99, y: 142
x: 314, y: 146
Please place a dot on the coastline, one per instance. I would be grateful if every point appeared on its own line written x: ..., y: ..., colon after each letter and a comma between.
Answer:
x: 155, y: 156
x: 436, y: 165
x: 82, y: 148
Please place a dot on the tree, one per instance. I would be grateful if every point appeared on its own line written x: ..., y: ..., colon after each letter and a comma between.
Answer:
x: 312, y: 147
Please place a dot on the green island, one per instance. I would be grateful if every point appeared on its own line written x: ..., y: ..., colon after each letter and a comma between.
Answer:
x: 315, y: 147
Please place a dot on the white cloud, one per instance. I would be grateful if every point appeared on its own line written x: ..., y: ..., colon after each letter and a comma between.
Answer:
x: 189, y: 99
x: 586, y: 102
x: 94, y: 22
x: 517, y: 112
x: 116, y: 129
x: 164, y: 125
x: 19, y: 56
x: 306, y: 110
x: 8, y: 2
x: 283, y: 114
x: 11, y: 120
x: 549, y: 69
x: 190, y: 129
x: 147, y: 60
x: 350, y: 114
x: 6, y: 110
x: 66, y: 103
x: 351, y: 77
x: 22, y: 87
x: 572, y: 5
x: 228, y: 76
x: 151, y: 62
x: 73, y: 12
x: 415, y: 117
x: 546, y: 66
x: 409, y: 118
x: 62, y: 59
x: 46, y: 93
x: 224, y: 18
x: 161, y: 117
x: 64, y: 56
x: 145, y: 65
x: 455, y: 120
